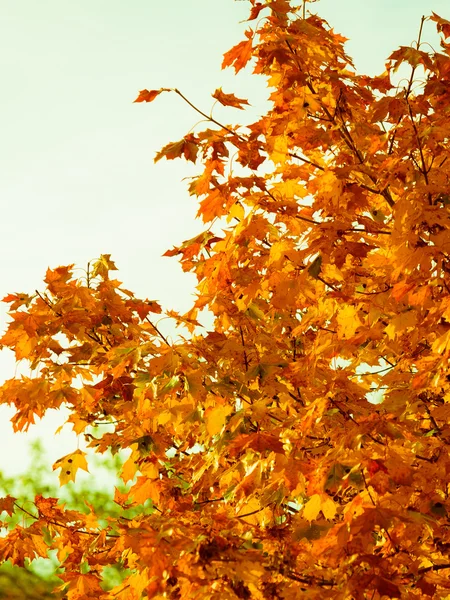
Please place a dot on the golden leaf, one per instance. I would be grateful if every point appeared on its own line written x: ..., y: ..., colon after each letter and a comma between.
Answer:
x: 215, y: 418
x: 69, y: 466
x: 312, y: 507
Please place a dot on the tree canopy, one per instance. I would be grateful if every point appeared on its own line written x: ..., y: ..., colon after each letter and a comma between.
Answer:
x: 259, y: 465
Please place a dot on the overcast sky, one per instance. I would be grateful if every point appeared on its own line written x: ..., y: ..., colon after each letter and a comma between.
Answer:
x: 78, y: 177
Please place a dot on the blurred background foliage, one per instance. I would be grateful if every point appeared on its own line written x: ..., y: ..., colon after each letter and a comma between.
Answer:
x: 37, y: 579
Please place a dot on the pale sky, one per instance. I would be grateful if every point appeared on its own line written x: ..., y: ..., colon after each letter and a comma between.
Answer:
x: 78, y: 177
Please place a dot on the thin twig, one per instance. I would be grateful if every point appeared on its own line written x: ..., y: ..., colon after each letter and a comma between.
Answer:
x: 162, y: 336
x: 92, y: 533
x: 245, y: 353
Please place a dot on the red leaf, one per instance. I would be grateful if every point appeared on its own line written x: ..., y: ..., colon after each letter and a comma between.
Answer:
x: 256, y: 9
x: 7, y: 504
x: 426, y: 587
x: 376, y: 465
x: 442, y: 24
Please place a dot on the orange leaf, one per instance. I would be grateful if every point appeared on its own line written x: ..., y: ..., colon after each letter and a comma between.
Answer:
x: 240, y: 54
x: 256, y: 9
x: 149, y: 95
x: 145, y: 488
x: 186, y: 147
x: 229, y: 99
x: 7, y: 504
x: 442, y: 24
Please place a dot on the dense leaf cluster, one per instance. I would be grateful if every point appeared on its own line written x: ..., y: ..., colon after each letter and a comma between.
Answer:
x: 325, y: 263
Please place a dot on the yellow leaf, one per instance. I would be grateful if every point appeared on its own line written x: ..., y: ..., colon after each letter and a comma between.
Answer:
x: 150, y: 470
x: 129, y: 469
x: 254, y: 312
x: 277, y: 251
x: 400, y: 323
x: 279, y: 155
x: 236, y: 212
x: 328, y: 507
x: 84, y: 586
x: 312, y: 508
x: 348, y: 322
x: 24, y: 347
x: 79, y: 425
x: 251, y: 511
x: 441, y: 345
x: 289, y: 190
x: 69, y: 466
x: 249, y: 571
x: 164, y: 417
x: 215, y: 418
x: 39, y: 546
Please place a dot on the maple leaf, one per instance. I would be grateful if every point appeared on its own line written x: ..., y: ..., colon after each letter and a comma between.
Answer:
x: 186, y: 147
x: 16, y: 300
x: 240, y: 54
x: 411, y: 55
x: 348, y: 321
x: 150, y: 95
x: 144, y: 489
x: 69, y: 466
x: 215, y: 418
x: 103, y: 265
x: 229, y: 99
x: 443, y: 25
x: 256, y: 9
x: 312, y: 508
x: 7, y: 504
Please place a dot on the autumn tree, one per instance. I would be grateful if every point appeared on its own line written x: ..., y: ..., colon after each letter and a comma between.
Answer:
x: 258, y: 467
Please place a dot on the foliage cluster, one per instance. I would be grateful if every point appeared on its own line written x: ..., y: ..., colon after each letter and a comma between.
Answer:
x: 325, y: 263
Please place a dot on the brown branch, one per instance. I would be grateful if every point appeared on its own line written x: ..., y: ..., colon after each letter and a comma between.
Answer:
x: 308, y: 220
x: 388, y: 287
x: 373, y: 372
x: 121, y: 590
x: 349, y: 417
x: 362, y: 230
x: 208, y: 117
x: 162, y: 336
x: 367, y: 488
x: 330, y: 285
x: 296, y: 398
x: 93, y: 533
x: 209, y: 501
x: 408, y: 89
x: 305, y: 160
x: 253, y: 512
x: 422, y: 169
x: 434, y: 568
x: 245, y: 353
x: 308, y: 579
x: 48, y: 303
x: 432, y: 419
